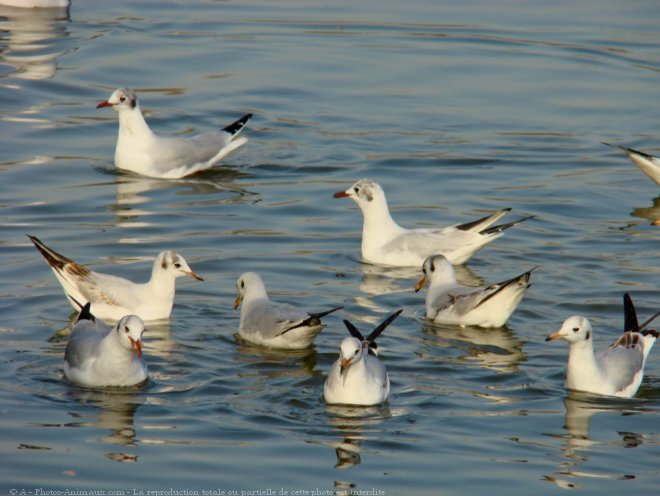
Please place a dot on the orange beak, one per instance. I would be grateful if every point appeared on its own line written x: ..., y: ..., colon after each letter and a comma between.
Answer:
x: 104, y: 104
x: 137, y: 344
x: 420, y: 284
x: 238, y: 301
x: 554, y: 336
x: 341, y: 194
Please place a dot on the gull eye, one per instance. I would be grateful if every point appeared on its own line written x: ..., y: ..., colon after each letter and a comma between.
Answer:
x: 177, y: 265
x: 357, y: 351
x: 242, y: 284
x: 126, y: 329
x: 356, y: 189
x: 122, y: 99
x: 576, y: 329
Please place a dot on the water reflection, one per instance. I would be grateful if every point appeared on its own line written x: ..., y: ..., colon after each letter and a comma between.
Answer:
x: 495, y: 348
x: 349, y: 424
x: 652, y: 213
x: 135, y: 194
x: 30, y: 40
x: 112, y: 411
x: 580, y: 408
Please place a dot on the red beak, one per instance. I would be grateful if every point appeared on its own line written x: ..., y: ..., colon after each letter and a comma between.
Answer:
x: 341, y: 194
x: 137, y: 344
x: 104, y: 104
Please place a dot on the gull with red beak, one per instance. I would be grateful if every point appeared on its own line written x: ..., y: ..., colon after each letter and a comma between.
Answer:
x: 98, y: 355
x: 113, y: 297
x: 358, y: 377
x: 615, y: 371
x: 141, y: 151
x: 385, y: 242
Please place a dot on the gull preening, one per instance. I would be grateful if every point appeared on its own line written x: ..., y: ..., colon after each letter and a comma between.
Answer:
x: 141, y: 151
x: 268, y: 323
x: 98, y: 355
x: 648, y: 164
x: 615, y: 371
x: 358, y: 377
x: 385, y: 242
x: 449, y: 302
x: 114, y: 297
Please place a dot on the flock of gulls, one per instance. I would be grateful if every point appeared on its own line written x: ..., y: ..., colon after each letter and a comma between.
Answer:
x: 100, y: 355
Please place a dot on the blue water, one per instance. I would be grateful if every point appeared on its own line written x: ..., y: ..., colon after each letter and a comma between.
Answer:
x: 457, y: 110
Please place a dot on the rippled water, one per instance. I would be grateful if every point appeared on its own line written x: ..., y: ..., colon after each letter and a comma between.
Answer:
x: 456, y: 110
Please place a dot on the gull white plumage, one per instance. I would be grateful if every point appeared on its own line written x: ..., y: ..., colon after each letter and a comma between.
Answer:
x: 272, y: 324
x: 98, y: 355
x: 358, y: 377
x: 114, y: 297
x: 385, y: 242
x: 449, y: 302
x: 615, y: 371
x: 648, y: 164
x: 141, y: 151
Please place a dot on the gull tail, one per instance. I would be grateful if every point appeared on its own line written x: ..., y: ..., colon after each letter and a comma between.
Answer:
x: 314, y: 319
x: 503, y: 227
x: 522, y: 281
x: 236, y: 127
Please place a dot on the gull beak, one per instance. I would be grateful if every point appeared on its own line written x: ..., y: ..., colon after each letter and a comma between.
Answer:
x: 420, y: 284
x: 238, y: 301
x: 104, y: 104
x: 341, y: 194
x: 554, y: 336
x: 343, y: 367
x: 137, y: 344
x: 195, y: 275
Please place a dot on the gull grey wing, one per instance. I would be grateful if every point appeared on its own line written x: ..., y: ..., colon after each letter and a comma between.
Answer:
x: 83, y: 341
x: 622, y: 364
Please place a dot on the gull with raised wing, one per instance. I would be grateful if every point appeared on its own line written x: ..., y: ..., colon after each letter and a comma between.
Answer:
x: 275, y: 325
x: 385, y: 242
x: 141, y: 151
x: 616, y: 371
x: 648, y: 164
x: 358, y: 377
x: 114, y: 297
x: 449, y: 302
x: 98, y: 355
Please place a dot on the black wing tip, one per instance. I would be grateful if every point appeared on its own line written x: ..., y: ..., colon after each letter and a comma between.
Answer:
x: 504, y: 227
x: 382, y: 326
x: 85, y: 311
x: 236, y: 126
x: 352, y: 330
x: 630, y: 322
x: 325, y: 312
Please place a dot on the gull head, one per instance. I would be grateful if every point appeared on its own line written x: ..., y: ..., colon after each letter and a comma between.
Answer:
x: 122, y: 99
x: 350, y: 352
x: 249, y: 281
x: 130, y: 329
x: 574, y: 330
x: 363, y: 192
x: 175, y: 265
x: 436, y: 268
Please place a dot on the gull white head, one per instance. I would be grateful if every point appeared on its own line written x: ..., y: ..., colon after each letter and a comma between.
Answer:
x: 350, y: 352
x: 365, y: 193
x: 575, y: 329
x: 129, y: 331
x: 436, y: 268
x: 175, y: 265
x: 250, y: 281
x: 120, y: 100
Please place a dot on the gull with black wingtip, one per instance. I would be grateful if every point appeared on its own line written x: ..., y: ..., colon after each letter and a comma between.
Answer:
x: 615, y: 371
x: 358, y: 377
x: 449, y: 302
x: 273, y: 324
x: 385, y: 242
x: 98, y: 355
x: 113, y: 297
x: 142, y: 151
